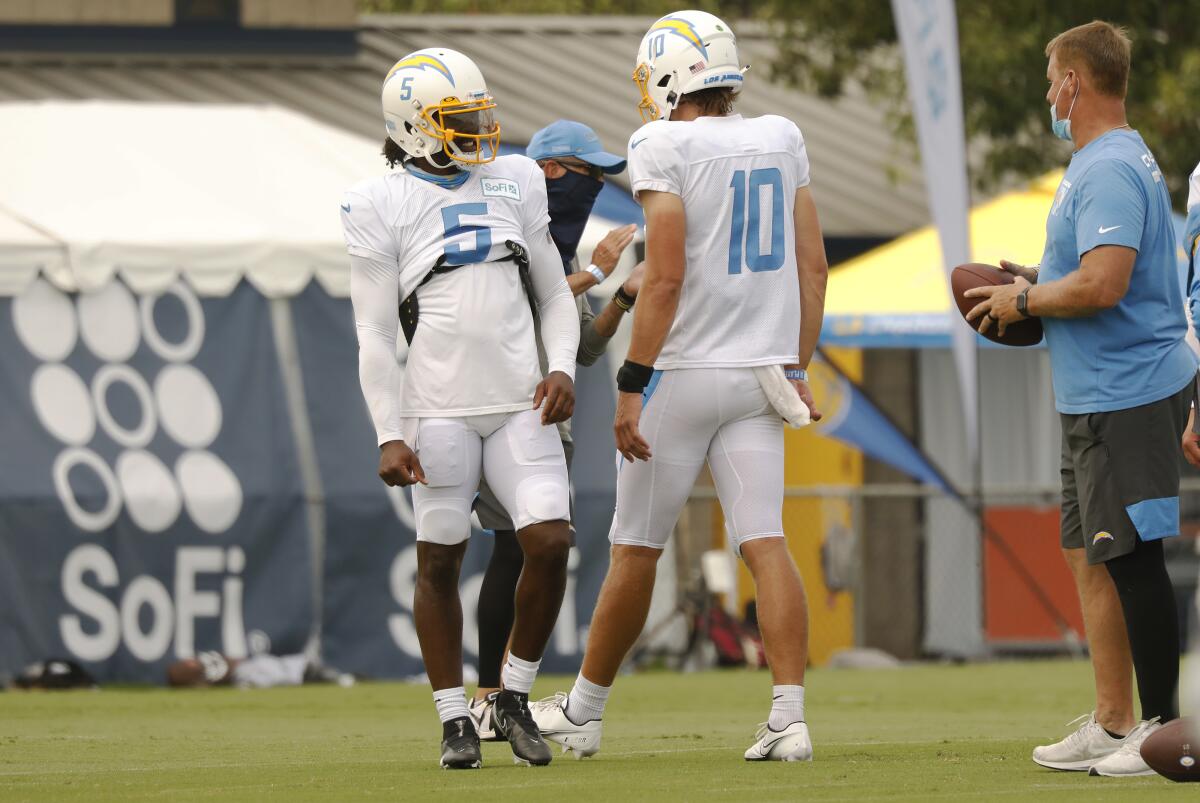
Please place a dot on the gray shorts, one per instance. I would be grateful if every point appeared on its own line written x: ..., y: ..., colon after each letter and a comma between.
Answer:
x: 1120, y: 476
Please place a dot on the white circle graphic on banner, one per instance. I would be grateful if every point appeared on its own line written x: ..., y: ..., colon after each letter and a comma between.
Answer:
x: 108, y: 322
x: 140, y: 435
x: 212, y: 494
x: 188, y: 406
x: 85, y: 519
x: 45, y: 321
x: 61, y: 401
x: 187, y: 348
x: 151, y: 496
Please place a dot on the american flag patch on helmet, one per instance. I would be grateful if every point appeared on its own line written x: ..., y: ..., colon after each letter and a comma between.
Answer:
x: 697, y: 67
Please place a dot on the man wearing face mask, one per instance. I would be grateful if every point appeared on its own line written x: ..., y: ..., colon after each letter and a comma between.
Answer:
x: 1124, y: 378
x: 574, y: 165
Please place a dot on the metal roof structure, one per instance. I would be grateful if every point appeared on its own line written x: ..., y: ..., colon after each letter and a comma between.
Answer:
x: 540, y: 68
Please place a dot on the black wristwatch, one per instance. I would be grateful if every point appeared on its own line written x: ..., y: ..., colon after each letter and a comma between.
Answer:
x: 1023, y: 302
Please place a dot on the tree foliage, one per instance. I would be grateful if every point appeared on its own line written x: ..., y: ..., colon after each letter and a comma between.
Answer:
x: 650, y: 8
x: 827, y: 45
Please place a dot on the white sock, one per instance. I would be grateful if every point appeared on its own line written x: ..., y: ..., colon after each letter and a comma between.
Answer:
x: 586, y: 701
x: 518, y: 674
x: 451, y: 703
x: 787, y: 706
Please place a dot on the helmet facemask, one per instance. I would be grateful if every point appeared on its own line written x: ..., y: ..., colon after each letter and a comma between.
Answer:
x: 467, y: 131
x: 647, y: 108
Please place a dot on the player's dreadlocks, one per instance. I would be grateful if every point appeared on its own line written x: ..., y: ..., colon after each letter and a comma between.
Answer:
x: 392, y: 152
x: 717, y: 100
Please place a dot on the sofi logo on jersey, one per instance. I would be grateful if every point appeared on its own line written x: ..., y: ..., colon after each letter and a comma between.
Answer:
x: 501, y: 188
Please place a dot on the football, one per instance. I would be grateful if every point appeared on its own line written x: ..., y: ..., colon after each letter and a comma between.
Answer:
x: 1173, y: 751
x: 975, y: 274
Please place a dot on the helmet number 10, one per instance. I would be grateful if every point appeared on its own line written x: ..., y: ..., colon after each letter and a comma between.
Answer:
x: 745, y: 235
x: 656, y: 46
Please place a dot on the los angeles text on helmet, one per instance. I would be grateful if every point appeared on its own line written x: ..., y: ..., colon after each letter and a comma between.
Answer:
x: 724, y: 79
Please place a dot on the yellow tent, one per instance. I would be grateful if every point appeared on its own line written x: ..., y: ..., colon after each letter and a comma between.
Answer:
x: 896, y: 295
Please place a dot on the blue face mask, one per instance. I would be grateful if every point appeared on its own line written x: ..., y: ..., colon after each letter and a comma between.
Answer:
x: 1062, y: 128
x: 570, y: 198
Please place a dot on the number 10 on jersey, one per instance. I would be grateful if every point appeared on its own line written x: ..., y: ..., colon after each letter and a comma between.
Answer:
x: 745, y: 230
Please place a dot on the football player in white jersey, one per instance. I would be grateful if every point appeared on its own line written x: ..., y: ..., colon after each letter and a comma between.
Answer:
x: 457, y: 243
x: 733, y: 299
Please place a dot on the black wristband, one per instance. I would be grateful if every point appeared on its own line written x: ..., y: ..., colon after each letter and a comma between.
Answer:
x: 633, y: 377
x: 623, y: 299
x: 1023, y: 302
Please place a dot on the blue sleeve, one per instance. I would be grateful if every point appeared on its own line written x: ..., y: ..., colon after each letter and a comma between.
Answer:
x: 1110, y: 207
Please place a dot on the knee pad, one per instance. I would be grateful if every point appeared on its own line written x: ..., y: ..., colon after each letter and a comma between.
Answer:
x: 443, y: 524
x: 543, y: 497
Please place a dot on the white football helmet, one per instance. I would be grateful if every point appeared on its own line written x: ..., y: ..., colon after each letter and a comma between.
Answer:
x: 436, y: 101
x: 684, y: 52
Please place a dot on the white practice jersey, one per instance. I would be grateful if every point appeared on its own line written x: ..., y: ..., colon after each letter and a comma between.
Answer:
x: 474, y: 351
x: 740, y: 301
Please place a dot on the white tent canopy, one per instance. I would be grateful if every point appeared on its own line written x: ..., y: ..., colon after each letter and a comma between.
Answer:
x: 23, y: 252
x: 212, y: 193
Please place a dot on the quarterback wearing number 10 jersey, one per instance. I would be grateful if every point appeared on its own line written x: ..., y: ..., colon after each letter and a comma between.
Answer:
x: 740, y: 303
x: 732, y: 308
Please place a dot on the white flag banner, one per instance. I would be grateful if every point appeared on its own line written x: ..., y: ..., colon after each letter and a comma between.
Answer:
x: 929, y: 36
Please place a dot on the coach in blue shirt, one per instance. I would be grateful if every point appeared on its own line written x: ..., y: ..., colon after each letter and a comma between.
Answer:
x: 1124, y: 379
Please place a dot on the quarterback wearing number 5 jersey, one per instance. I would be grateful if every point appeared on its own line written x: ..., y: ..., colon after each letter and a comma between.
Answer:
x: 733, y: 299
x: 454, y: 248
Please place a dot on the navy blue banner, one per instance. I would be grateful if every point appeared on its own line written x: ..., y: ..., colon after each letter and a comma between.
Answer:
x: 151, y: 503
x: 851, y: 417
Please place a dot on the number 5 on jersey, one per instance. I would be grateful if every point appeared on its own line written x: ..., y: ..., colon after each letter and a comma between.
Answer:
x: 745, y: 235
x: 453, y: 226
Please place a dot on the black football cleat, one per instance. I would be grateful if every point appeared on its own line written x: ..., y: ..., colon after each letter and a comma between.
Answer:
x: 512, y: 720
x: 460, y: 745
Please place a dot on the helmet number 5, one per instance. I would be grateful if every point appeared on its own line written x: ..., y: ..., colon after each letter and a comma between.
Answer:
x: 406, y: 88
x: 745, y: 235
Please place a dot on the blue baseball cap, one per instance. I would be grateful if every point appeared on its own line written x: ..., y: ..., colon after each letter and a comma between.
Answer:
x: 567, y: 138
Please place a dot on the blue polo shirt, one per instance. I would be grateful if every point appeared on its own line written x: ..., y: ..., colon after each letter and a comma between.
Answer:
x: 1133, y: 354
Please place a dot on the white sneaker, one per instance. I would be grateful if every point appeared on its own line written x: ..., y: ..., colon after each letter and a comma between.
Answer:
x: 481, y: 715
x: 581, y: 740
x: 790, y: 744
x: 1082, y: 748
x: 1128, y: 761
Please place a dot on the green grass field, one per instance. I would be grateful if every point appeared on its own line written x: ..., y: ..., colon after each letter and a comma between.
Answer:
x: 918, y: 733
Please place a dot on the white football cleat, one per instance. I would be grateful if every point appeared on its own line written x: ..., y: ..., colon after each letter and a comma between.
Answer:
x: 481, y: 715
x: 1128, y: 762
x: 552, y: 720
x: 1081, y: 749
x: 790, y: 744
